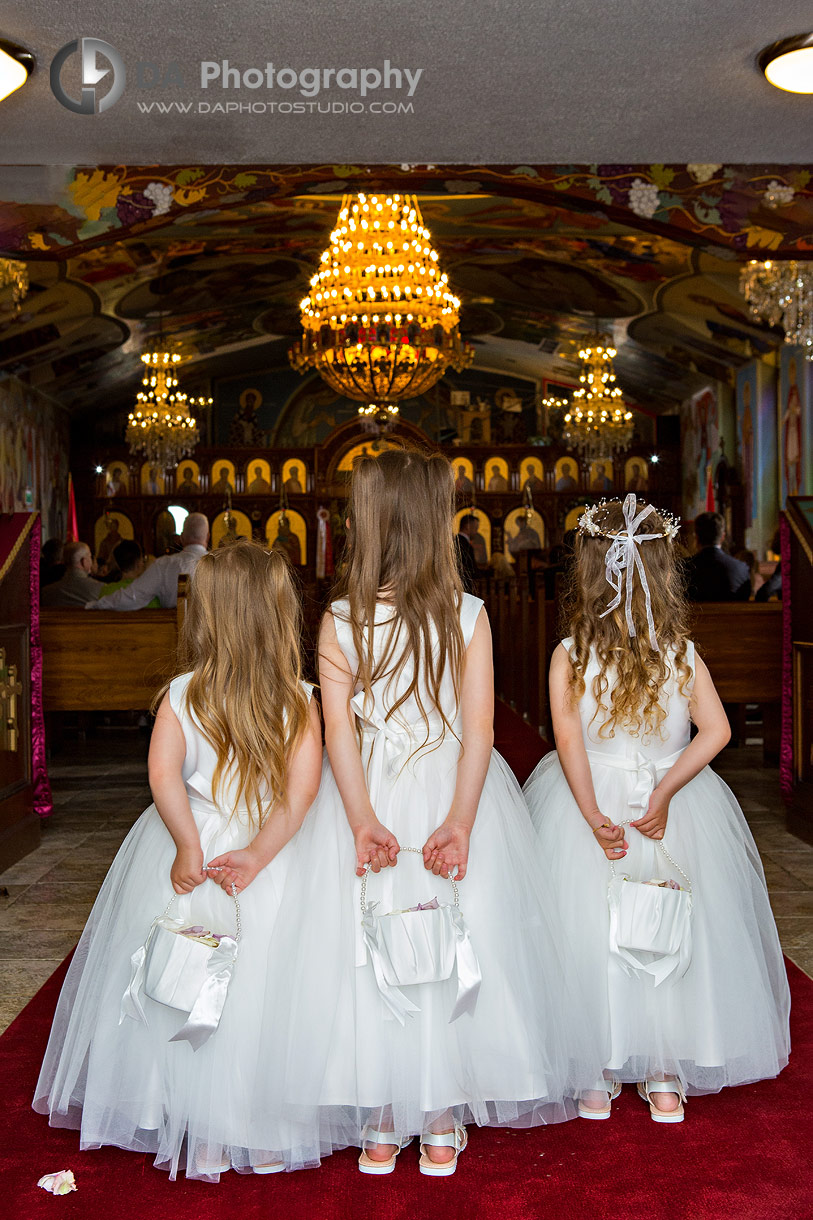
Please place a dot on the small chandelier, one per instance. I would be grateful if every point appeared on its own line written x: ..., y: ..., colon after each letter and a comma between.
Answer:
x: 380, y: 323
x: 597, y: 422
x: 781, y: 294
x: 14, y: 275
x: 160, y: 425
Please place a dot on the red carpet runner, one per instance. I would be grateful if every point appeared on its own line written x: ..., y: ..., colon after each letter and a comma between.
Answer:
x: 741, y: 1155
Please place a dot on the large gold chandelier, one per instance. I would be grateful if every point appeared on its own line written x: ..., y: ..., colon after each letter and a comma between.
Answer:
x: 597, y: 422
x: 379, y: 322
x: 160, y: 426
x: 14, y: 275
x: 782, y: 294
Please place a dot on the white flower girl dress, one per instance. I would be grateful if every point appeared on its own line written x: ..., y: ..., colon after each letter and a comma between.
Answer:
x: 344, y: 1058
x: 120, y: 1079
x: 725, y: 1021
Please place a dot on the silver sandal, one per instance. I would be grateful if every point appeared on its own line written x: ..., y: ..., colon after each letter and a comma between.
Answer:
x: 456, y: 1139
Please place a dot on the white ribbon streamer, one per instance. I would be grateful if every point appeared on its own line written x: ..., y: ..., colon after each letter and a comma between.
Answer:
x: 623, y: 555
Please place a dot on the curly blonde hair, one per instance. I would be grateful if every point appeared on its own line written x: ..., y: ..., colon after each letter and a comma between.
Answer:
x: 638, y: 671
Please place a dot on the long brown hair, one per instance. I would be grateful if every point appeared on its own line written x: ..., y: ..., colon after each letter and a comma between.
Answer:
x: 639, y: 672
x: 241, y: 640
x: 401, y: 548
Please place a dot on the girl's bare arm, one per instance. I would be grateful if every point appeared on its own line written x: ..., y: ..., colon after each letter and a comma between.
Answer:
x: 567, y: 731
x: 375, y: 845
x: 165, y: 760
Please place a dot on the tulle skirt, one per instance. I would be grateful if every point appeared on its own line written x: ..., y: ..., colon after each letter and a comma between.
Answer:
x: 725, y: 1022
x: 341, y: 1059
x: 125, y: 1083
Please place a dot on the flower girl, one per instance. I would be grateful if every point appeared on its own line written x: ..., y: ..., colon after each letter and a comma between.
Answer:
x: 234, y: 765
x: 681, y: 960
x: 413, y: 796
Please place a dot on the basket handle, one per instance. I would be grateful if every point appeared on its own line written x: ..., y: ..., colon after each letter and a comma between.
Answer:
x: 237, y: 924
x: 417, y: 851
x: 659, y: 843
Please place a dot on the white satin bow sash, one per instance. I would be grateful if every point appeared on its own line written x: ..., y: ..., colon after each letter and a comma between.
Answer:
x: 647, y: 772
x: 622, y: 559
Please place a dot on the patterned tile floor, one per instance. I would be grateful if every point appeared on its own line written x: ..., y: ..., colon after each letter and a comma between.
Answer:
x: 100, y: 788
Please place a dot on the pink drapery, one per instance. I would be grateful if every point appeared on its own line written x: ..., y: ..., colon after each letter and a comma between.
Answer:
x: 17, y: 532
x: 786, y: 740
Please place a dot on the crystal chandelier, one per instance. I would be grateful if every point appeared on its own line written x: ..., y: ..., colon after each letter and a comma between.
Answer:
x: 14, y: 275
x: 597, y: 422
x: 782, y: 294
x: 379, y: 322
x: 160, y: 425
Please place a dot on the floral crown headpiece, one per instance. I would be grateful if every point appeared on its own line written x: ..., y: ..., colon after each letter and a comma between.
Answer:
x: 623, y: 558
x: 587, y: 523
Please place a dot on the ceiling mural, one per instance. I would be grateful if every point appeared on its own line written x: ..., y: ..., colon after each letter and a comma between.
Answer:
x: 541, y: 255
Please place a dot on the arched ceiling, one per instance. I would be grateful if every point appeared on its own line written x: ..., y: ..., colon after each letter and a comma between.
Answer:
x: 539, y: 255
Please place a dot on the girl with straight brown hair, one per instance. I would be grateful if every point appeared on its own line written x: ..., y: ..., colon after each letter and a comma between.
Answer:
x: 234, y: 765
x: 415, y: 795
x: 650, y: 860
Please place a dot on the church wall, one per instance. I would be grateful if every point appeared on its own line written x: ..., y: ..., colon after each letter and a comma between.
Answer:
x: 34, y: 435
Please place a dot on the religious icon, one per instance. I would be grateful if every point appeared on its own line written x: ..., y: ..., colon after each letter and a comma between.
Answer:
x: 286, y: 532
x: 601, y: 475
x: 497, y: 480
x: 568, y: 472
x: 293, y: 474
x: 530, y: 531
x: 117, y: 482
x: 188, y: 482
x: 152, y: 480
x: 245, y: 429
x: 221, y: 484
x: 637, y: 475
x: 259, y: 485
x: 463, y: 484
x: 533, y: 481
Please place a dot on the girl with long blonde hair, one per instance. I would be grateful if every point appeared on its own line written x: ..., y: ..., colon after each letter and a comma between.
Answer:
x: 234, y: 765
x: 628, y: 797
x: 415, y: 795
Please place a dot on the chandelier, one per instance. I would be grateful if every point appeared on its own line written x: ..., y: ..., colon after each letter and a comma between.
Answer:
x: 379, y: 322
x: 782, y: 294
x: 14, y: 275
x: 160, y: 425
x: 597, y: 422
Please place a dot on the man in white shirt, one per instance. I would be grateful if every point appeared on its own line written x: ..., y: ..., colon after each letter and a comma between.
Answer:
x: 161, y: 578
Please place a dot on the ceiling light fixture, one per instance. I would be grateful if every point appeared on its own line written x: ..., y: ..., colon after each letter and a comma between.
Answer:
x: 788, y: 63
x: 16, y: 65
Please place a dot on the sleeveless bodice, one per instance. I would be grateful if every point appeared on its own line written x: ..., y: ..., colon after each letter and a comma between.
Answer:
x: 624, y: 744
x: 201, y: 757
x: 406, y: 726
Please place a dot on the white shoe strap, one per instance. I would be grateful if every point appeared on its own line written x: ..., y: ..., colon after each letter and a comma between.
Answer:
x: 450, y: 1139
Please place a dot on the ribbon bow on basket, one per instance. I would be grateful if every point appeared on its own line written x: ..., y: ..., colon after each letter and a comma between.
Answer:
x: 183, y: 967
x: 421, y: 945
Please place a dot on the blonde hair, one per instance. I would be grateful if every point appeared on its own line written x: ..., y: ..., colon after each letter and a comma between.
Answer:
x: 401, y: 546
x: 240, y: 639
x: 639, y: 672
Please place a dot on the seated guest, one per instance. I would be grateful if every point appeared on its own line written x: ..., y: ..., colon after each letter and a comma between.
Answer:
x: 771, y: 589
x: 713, y: 575
x: 466, y: 559
x: 161, y: 579
x: 129, y: 561
x: 52, y: 565
x: 77, y: 586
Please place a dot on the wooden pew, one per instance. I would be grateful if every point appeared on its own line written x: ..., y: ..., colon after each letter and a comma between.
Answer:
x: 740, y: 642
x: 108, y: 660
